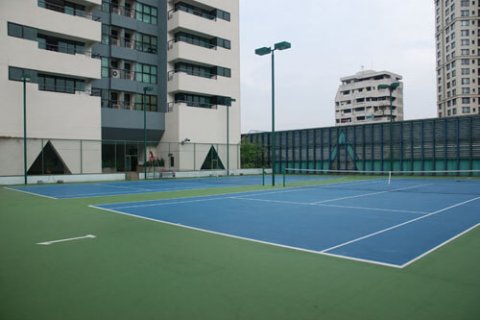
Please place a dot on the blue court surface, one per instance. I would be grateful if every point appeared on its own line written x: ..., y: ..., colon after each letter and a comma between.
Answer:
x: 370, y: 221
x: 86, y: 190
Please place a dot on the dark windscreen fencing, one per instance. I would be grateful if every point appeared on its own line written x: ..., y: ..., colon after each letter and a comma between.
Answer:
x: 420, y: 145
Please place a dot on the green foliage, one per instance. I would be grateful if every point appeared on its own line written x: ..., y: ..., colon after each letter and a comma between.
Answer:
x: 251, y: 155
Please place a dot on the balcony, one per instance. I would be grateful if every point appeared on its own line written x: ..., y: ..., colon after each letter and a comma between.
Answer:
x: 211, y: 56
x: 211, y: 85
x: 26, y: 54
x: 71, y: 22
x: 186, y: 20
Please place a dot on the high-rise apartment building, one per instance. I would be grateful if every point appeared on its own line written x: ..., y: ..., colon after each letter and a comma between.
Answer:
x: 457, y: 51
x: 47, y: 46
x: 105, y: 76
x: 359, y: 100
x: 203, y: 64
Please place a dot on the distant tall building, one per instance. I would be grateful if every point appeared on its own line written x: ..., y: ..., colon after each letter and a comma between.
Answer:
x: 457, y: 50
x: 359, y: 100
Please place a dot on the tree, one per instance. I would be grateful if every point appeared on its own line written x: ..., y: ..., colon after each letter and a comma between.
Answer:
x: 251, y: 155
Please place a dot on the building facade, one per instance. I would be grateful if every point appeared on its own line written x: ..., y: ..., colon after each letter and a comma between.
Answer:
x: 49, y: 46
x: 119, y: 80
x: 359, y: 100
x: 203, y: 62
x: 457, y: 57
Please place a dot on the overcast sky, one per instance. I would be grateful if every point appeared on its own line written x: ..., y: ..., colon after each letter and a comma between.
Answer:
x: 330, y: 40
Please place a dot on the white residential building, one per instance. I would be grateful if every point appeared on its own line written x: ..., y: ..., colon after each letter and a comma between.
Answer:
x: 359, y: 100
x: 50, y: 47
x: 204, y: 82
x: 112, y: 81
x: 458, y: 57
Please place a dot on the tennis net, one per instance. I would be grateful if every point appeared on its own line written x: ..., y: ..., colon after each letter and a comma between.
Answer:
x: 439, y: 181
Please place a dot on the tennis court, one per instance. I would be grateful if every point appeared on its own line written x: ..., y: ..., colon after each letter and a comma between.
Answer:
x: 87, y: 190
x: 392, y: 223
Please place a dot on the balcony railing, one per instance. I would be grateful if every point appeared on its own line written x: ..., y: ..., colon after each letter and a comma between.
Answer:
x: 203, y: 45
x: 73, y: 9
x: 126, y: 105
x: 171, y: 105
x: 129, y: 43
x: 67, y: 50
x: 117, y: 73
x: 192, y: 73
x: 195, y: 11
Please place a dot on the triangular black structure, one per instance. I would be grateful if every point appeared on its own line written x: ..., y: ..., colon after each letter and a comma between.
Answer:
x: 48, y: 161
x: 343, y: 150
x: 212, y: 161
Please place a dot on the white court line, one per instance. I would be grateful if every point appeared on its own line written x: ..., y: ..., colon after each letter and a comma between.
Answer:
x: 165, y: 203
x: 323, y: 252
x: 122, y: 187
x: 371, y: 193
x: 440, y: 245
x: 270, y: 201
x: 329, y: 205
x: 373, y: 209
x: 250, y: 239
x: 47, y: 243
x: 31, y: 193
x: 399, y: 225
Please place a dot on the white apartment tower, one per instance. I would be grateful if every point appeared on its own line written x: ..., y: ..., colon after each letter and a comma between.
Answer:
x: 457, y: 52
x: 359, y: 100
x: 203, y: 85
x: 108, y: 82
x: 48, y: 48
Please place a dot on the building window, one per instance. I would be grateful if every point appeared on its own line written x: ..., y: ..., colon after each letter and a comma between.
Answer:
x: 194, y: 100
x: 63, y: 7
x: 146, y: 43
x: 60, y: 45
x: 105, y: 68
x: 202, y: 101
x: 59, y: 84
x: 146, y: 13
x: 146, y: 73
x: 19, y: 31
x: 149, y: 101
x: 224, y: 15
x: 201, y: 41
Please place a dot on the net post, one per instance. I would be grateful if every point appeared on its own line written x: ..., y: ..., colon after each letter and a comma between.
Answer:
x: 284, y: 172
x: 389, y: 177
x: 263, y: 176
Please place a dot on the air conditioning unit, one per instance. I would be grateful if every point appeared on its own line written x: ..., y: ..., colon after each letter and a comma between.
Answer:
x: 115, y: 73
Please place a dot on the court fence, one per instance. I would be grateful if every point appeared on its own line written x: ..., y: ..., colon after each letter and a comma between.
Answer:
x: 417, y: 145
x: 82, y: 157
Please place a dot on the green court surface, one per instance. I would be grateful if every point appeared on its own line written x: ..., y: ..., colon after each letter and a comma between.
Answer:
x: 140, y: 269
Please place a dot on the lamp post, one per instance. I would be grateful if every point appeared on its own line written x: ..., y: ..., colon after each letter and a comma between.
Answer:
x: 145, y: 89
x: 230, y: 100
x: 261, y: 52
x: 391, y: 87
x: 24, y: 80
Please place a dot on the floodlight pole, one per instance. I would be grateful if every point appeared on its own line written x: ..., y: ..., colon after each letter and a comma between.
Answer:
x: 24, y: 80
x: 261, y: 52
x: 145, y: 89
x: 272, y: 144
x: 230, y: 100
